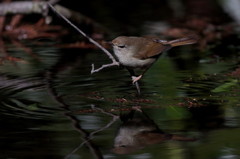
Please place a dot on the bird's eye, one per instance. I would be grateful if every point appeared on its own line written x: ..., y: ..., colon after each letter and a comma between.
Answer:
x: 121, y: 46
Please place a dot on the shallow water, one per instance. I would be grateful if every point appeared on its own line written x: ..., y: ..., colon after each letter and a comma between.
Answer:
x: 52, y: 107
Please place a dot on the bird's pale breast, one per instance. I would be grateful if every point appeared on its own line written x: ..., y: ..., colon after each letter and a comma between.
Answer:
x: 128, y: 60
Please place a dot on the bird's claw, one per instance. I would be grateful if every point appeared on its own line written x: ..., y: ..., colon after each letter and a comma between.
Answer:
x: 135, y: 79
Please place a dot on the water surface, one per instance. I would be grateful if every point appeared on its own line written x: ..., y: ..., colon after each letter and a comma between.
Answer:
x: 52, y: 107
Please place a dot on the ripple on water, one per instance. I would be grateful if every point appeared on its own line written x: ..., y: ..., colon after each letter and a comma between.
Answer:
x: 23, y: 97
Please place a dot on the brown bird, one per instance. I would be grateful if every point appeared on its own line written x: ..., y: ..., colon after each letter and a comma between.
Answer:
x: 141, y: 52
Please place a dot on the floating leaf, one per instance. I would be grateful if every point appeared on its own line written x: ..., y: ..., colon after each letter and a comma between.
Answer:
x: 226, y: 86
x: 33, y: 107
x: 175, y: 113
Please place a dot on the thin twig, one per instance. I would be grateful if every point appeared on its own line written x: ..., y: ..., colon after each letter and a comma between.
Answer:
x: 114, y: 62
x: 91, y: 135
x: 104, y: 112
x: 103, y: 66
x: 52, y: 2
x: 52, y: 91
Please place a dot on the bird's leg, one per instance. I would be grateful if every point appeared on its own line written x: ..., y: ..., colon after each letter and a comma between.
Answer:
x: 138, y: 88
x: 133, y: 76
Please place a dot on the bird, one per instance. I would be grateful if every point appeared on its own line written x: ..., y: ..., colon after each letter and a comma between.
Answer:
x: 141, y: 53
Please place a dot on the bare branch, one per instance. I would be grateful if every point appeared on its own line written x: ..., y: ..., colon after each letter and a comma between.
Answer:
x: 114, y: 62
x: 23, y: 7
x: 41, y: 7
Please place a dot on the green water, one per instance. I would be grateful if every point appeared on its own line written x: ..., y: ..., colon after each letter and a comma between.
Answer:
x: 52, y: 107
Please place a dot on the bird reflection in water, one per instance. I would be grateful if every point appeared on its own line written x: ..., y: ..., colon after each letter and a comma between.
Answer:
x: 138, y: 131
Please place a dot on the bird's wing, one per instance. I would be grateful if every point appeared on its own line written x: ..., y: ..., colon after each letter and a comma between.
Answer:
x: 153, y: 48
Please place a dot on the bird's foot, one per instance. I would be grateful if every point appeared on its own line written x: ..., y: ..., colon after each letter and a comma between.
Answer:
x: 135, y: 79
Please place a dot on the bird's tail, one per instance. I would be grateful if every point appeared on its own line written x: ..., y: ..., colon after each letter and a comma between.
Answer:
x: 183, y: 41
